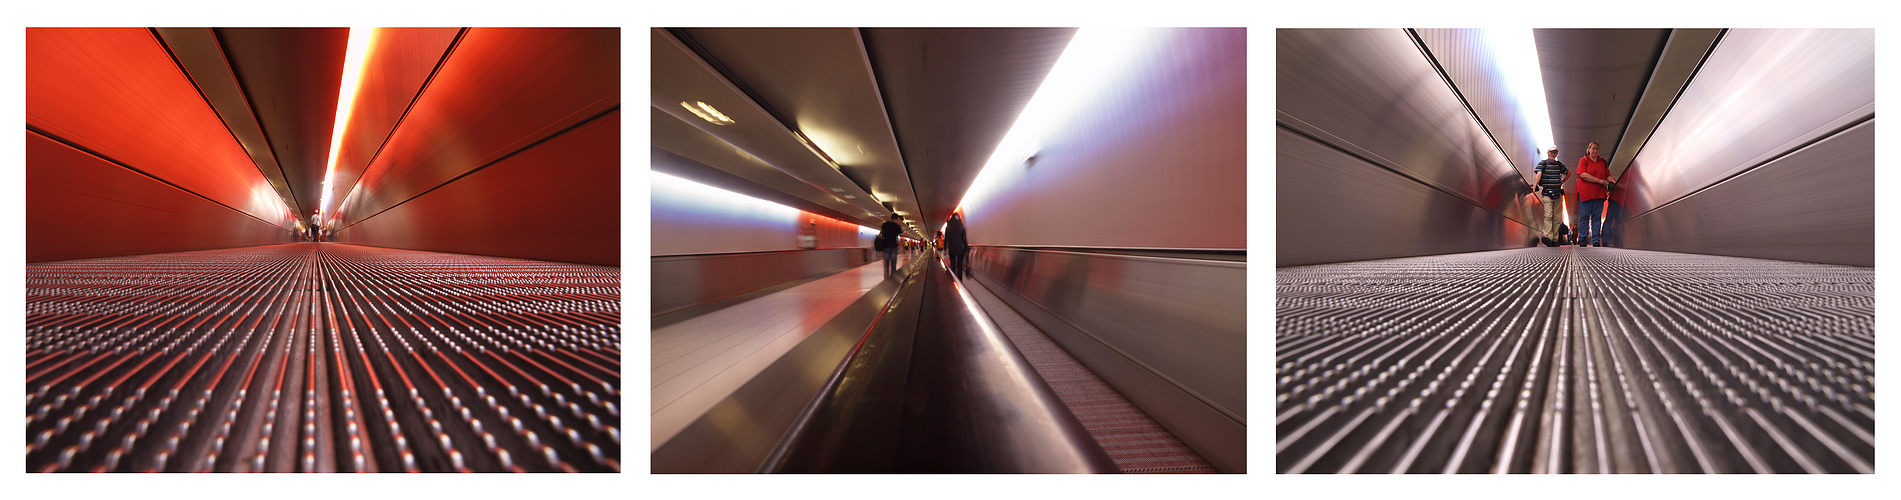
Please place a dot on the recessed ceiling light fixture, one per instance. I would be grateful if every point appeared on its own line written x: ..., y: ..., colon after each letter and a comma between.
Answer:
x: 706, y: 112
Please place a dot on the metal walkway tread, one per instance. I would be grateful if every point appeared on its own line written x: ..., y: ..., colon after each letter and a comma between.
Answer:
x: 1575, y: 360
x: 318, y: 357
x: 1134, y: 441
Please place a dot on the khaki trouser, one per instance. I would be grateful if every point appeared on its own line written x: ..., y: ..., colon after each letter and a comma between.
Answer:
x: 1554, y: 215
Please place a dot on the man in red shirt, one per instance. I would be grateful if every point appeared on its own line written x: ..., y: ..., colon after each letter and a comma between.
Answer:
x: 1594, y: 182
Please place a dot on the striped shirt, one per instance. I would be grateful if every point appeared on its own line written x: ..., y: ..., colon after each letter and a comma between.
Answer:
x: 1551, y: 174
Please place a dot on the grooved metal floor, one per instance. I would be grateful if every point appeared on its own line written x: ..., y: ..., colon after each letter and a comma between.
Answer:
x: 1575, y: 360
x: 1136, y: 443
x: 322, y: 357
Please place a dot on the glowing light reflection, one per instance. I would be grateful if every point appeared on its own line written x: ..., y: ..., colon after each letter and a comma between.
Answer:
x: 1515, y: 52
x: 1094, y: 60
x: 359, y: 45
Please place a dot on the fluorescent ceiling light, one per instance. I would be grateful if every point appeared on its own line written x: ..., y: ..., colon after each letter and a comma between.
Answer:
x: 359, y: 47
x: 1515, y: 54
x: 706, y: 112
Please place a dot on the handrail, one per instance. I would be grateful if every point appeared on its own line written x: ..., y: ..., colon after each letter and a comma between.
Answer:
x: 1151, y: 258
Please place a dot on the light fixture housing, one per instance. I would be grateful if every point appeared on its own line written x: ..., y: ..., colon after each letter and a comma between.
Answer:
x: 706, y: 112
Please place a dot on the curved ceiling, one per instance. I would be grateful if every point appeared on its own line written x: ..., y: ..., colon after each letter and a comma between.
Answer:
x: 873, y: 121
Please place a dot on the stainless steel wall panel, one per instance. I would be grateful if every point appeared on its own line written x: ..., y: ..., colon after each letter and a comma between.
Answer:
x: 682, y: 281
x: 1334, y: 207
x: 1466, y: 57
x: 1815, y: 205
x: 1373, y: 90
x: 1759, y: 94
x: 1169, y: 333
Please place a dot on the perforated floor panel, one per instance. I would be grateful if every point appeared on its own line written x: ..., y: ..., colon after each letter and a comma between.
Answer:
x: 322, y: 357
x: 1574, y: 360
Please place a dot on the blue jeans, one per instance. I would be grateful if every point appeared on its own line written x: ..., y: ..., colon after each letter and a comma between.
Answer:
x: 1591, y: 222
x: 890, y: 261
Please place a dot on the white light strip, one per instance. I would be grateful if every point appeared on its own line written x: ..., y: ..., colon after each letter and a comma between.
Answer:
x: 360, y: 40
x: 1090, y: 65
x: 1515, y: 52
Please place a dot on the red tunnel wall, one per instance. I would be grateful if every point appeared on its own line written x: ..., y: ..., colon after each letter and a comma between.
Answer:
x: 117, y: 93
x: 80, y: 206
x: 559, y: 200
x: 512, y: 149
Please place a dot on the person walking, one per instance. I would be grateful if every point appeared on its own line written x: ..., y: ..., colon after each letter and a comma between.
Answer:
x: 888, y: 234
x: 958, y: 244
x: 1551, y: 176
x: 1594, y: 185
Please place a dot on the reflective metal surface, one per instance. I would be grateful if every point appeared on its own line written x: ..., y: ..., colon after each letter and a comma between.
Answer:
x: 1333, y: 207
x: 1760, y: 94
x: 320, y: 357
x: 945, y: 392
x: 682, y: 76
x: 681, y: 281
x: 396, y: 68
x: 1682, y: 54
x: 80, y: 206
x: 561, y: 203
x: 1593, y: 80
x: 693, y: 154
x: 1465, y: 55
x: 1815, y: 205
x: 1168, y: 333
x: 1097, y: 178
x: 746, y: 430
x: 117, y: 93
x: 1575, y: 360
x: 821, y: 80
x: 291, y: 75
x: 1373, y: 92
x: 1384, y: 136
x: 953, y: 94
x: 201, y: 56
x: 499, y: 93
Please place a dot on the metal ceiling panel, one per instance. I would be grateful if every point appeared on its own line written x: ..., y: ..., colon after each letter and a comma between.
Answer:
x: 1759, y: 95
x: 116, y: 92
x: 1682, y: 53
x: 953, y: 94
x: 1593, y: 79
x: 501, y: 91
x: 397, y: 64
x: 1466, y: 58
x: 291, y: 76
x: 681, y: 78
x: 198, y: 52
x: 678, y: 137
x: 820, y: 81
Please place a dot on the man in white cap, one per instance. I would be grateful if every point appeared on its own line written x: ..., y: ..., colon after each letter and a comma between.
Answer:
x: 1551, y: 176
